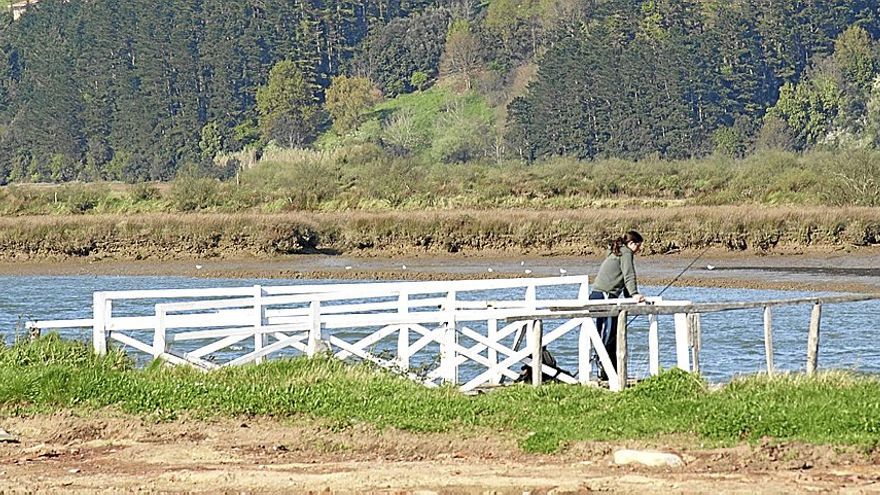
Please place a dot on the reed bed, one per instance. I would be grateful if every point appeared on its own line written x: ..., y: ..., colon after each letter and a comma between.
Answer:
x: 549, y: 232
x: 363, y: 177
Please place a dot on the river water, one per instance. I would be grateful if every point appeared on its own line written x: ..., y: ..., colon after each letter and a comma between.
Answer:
x: 732, y: 341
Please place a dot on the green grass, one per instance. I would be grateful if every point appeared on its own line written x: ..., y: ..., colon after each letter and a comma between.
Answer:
x: 834, y: 408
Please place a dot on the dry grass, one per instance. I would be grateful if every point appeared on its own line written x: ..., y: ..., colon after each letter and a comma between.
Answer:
x: 585, y: 231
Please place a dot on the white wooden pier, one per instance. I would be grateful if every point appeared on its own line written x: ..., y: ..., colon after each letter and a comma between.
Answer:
x: 424, y: 330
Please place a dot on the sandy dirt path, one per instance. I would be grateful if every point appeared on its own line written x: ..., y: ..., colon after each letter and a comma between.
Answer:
x: 113, y: 453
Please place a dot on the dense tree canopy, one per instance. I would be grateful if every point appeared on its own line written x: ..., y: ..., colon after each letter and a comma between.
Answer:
x: 105, y: 89
x: 681, y: 78
x: 123, y: 90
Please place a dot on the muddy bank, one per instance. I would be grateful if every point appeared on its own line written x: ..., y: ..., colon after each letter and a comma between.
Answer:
x: 840, y: 271
x: 477, y: 233
x: 779, y: 248
x: 113, y: 453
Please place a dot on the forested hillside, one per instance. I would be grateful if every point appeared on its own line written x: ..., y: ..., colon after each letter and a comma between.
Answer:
x: 137, y: 90
x: 122, y: 89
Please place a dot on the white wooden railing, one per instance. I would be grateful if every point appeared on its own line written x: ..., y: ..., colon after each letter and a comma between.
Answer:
x: 425, y: 330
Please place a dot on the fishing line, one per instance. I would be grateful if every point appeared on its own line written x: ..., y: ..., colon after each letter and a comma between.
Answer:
x: 670, y: 284
x: 682, y: 272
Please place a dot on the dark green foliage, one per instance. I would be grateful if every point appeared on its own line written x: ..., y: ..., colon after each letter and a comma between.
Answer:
x: 406, y: 46
x: 130, y: 91
x: 123, y: 90
x: 685, y: 78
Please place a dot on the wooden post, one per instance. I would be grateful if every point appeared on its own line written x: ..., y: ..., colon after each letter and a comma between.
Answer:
x: 536, y: 337
x: 584, y: 292
x: 768, y: 338
x: 159, y: 343
x: 314, y: 344
x: 101, y: 311
x: 259, y: 336
x: 813, y: 340
x: 681, y: 341
x: 653, y: 345
x: 621, y: 349
x: 696, y: 339
x: 492, y: 334
x: 403, y: 354
x: 448, y: 366
x: 585, y: 347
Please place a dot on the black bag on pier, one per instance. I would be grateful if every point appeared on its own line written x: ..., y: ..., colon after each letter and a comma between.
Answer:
x: 525, y: 374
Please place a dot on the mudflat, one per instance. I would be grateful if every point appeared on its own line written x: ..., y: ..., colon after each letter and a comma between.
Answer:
x: 843, y: 270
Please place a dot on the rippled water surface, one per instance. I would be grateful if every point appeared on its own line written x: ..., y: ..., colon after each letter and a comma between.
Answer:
x: 732, y: 341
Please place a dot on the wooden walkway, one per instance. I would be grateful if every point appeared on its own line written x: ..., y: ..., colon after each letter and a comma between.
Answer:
x: 424, y: 330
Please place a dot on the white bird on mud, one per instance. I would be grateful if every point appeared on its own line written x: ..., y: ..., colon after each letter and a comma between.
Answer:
x: 528, y: 271
x: 404, y: 267
x: 348, y: 267
x: 491, y: 270
x: 563, y: 271
x: 710, y: 267
x: 198, y: 267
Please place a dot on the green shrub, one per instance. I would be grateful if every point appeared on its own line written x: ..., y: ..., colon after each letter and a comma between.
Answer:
x: 194, y: 193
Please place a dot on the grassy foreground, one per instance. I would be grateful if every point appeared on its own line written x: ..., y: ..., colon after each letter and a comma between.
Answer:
x: 836, y: 408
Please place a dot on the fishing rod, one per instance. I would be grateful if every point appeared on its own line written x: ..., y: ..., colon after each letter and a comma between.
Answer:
x: 520, y: 333
x: 688, y: 267
x: 706, y: 249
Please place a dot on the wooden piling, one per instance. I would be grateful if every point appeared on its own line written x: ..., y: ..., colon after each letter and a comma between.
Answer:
x: 696, y: 333
x: 813, y: 340
x: 768, y: 338
x: 403, y: 354
x: 621, y: 349
x: 101, y: 314
x: 536, y: 337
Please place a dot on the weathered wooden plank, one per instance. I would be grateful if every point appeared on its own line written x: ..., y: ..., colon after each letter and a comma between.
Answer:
x: 621, y: 351
x: 672, y: 308
x: 535, y: 344
x: 696, y: 340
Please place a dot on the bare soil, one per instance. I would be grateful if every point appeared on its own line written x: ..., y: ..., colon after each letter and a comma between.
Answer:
x: 114, y: 453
